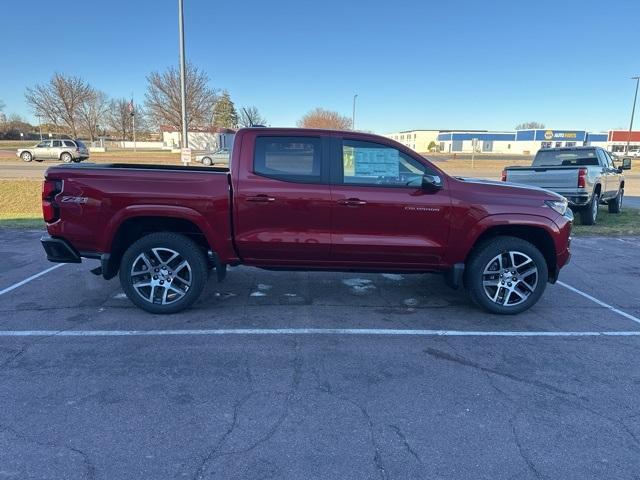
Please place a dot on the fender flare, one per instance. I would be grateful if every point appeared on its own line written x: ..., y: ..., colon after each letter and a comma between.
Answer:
x: 213, y: 237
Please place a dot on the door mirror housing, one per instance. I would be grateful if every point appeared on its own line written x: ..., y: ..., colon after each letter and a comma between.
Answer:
x: 626, y: 164
x: 431, y: 183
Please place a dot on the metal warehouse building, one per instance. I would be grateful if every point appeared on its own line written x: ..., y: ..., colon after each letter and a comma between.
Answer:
x: 467, y: 142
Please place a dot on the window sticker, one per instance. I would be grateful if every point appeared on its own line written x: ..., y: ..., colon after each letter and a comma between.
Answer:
x: 377, y: 162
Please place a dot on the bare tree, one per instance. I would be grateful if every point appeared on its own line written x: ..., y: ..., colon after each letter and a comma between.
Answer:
x: 120, y: 121
x: 163, y: 97
x: 529, y: 126
x: 321, y: 118
x: 250, y: 116
x: 92, y: 111
x: 60, y: 100
x: 2, y: 105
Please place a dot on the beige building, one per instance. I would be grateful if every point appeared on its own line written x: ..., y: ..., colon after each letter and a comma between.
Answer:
x: 418, y: 140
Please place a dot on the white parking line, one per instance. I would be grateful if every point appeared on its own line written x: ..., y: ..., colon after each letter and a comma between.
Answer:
x: 307, y: 331
x: 32, y: 277
x: 599, y: 302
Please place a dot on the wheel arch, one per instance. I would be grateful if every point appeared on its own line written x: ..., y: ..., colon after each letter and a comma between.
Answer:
x: 134, y: 227
x: 539, y: 236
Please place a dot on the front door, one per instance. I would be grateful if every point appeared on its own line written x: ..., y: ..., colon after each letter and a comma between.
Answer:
x: 42, y: 150
x: 283, y: 202
x: 382, y: 217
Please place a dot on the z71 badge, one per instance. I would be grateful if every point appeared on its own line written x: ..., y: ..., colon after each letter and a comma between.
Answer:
x: 70, y: 199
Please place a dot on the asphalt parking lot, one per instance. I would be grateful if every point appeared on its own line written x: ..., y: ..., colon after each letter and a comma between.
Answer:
x: 324, y: 375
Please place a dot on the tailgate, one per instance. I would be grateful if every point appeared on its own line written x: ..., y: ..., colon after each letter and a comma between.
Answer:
x: 551, y: 178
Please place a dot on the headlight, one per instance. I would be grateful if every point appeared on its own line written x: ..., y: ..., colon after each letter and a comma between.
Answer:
x: 559, y: 206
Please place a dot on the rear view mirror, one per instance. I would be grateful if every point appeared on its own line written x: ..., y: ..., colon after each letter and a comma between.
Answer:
x: 431, y: 183
x: 626, y: 163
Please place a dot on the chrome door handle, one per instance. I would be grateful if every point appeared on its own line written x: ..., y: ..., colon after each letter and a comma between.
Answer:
x: 261, y: 199
x: 352, y: 202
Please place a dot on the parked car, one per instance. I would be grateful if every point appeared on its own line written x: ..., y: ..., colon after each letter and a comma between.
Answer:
x: 216, y: 157
x: 634, y: 152
x: 585, y: 176
x: 305, y: 199
x: 62, y: 149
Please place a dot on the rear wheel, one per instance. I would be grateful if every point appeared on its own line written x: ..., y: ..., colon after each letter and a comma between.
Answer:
x: 615, y: 205
x: 26, y: 156
x: 589, y: 214
x: 506, y: 275
x: 163, y: 272
x: 66, y: 157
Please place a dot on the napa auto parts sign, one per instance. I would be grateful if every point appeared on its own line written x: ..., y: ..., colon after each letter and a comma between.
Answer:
x: 570, y: 135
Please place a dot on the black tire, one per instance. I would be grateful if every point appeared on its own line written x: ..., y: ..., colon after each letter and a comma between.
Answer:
x: 615, y: 205
x: 589, y: 214
x: 77, y: 160
x: 207, y: 161
x: 483, y: 259
x: 66, y: 157
x: 26, y: 156
x: 188, y: 252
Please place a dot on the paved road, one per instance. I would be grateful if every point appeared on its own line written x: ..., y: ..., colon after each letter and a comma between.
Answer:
x: 322, y: 405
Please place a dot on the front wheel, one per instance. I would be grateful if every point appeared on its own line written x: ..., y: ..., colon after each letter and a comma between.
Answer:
x: 207, y: 161
x: 506, y: 275
x: 26, y: 156
x: 163, y: 272
x: 615, y: 205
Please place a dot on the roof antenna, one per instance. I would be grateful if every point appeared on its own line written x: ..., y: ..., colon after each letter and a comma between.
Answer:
x: 248, y: 116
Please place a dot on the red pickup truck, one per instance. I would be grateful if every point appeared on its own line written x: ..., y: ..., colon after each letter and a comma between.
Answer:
x: 306, y: 199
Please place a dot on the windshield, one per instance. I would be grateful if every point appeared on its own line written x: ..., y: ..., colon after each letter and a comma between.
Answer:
x: 560, y: 158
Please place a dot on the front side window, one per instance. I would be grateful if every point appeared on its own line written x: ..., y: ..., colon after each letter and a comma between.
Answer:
x: 368, y: 163
x: 289, y: 158
x: 44, y: 144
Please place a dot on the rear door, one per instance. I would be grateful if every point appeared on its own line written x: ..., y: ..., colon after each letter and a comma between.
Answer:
x: 382, y: 218
x: 282, y: 202
x: 56, y: 149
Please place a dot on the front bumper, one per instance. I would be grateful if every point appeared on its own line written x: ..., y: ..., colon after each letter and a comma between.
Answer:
x: 59, y: 250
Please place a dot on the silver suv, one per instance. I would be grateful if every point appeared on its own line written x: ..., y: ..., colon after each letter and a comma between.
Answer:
x: 56, y: 149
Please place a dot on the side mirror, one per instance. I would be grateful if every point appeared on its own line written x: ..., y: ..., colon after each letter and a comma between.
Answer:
x: 626, y: 163
x: 431, y: 183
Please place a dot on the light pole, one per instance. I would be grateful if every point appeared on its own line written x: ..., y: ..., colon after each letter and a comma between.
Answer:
x: 633, y: 111
x: 353, y: 113
x: 40, y: 125
x: 183, y: 85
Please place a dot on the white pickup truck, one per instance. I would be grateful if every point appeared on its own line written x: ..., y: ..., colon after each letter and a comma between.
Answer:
x: 585, y: 176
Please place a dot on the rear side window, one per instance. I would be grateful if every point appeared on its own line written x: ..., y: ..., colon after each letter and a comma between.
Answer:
x: 57, y: 143
x: 69, y: 143
x: 289, y: 158
x: 565, y: 158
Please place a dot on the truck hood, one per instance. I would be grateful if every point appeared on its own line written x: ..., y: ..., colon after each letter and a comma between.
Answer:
x: 514, y: 188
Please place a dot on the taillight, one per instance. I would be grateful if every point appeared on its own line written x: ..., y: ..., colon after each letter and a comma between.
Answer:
x: 582, y: 178
x: 503, y: 178
x: 50, y: 188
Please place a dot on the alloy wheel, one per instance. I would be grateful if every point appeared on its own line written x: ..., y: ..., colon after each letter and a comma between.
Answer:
x: 161, y: 276
x: 510, y: 278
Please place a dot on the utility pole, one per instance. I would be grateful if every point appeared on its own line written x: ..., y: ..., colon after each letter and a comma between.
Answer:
x: 353, y: 113
x: 183, y: 85
x: 40, y: 125
x: 633, y: 111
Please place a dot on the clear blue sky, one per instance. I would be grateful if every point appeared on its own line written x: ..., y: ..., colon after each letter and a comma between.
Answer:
x: 414, y: 64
